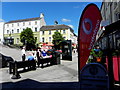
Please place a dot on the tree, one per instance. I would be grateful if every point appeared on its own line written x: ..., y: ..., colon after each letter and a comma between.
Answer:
x: 57, y: 38
x: 27, y: 38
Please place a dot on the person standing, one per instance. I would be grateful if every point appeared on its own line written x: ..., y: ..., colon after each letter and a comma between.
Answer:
x: 44, y: 53
x: 38, y: 55
x: 23, y: 54
x: 30, y: 57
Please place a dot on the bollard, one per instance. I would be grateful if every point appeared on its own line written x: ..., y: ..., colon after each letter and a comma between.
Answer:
x: 15, y: 72
x: 10, y: 67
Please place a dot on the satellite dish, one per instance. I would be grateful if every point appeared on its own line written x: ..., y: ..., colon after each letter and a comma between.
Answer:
x: 56, y: 22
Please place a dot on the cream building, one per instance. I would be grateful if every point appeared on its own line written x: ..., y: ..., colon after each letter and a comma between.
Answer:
x: 46, y: 33
x: 12, y: 29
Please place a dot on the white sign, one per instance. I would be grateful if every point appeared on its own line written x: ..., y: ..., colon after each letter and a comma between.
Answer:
x: 94, y: 76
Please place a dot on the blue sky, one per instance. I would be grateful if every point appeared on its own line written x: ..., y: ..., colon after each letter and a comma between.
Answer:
x: 67, y: 13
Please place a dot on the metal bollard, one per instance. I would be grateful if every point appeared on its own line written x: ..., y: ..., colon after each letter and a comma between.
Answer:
x: 15, y: 72
x: 10, y: 67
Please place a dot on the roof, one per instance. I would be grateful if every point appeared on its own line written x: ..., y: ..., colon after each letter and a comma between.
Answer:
x: 55, y: 27
x: 22, y: 20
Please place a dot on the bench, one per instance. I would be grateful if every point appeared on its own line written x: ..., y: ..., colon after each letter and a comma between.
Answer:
x: 43, y: 61
x: 54, y: 60
x: 15, y: 65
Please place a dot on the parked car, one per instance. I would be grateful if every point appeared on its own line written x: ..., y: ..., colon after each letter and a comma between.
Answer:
x: 4, y: 60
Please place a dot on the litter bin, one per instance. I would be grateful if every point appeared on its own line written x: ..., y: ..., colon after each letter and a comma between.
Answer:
x: 56, y: 58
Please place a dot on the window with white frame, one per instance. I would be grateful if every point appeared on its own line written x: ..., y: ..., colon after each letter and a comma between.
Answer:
x: 36, y: 38
x: 50, y: 32
x: 23, y: 23
x: 17, y: 24
x: 49, y: 39
x: 7, y: 31
x: 29, y: 23
x: 43, y: 39
x: 7, y: 25
x: 35, y: 29
x: 12, y: 25
x: 64, y: 31
x: 43, y: 32
x: 35, y: 22
x: 12, y: 31
x: 64, y: 38
x: 17, y: 40
x: 17, y: 30
x: 118, y: 16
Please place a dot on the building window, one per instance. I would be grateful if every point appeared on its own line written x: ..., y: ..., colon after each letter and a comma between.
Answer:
x: 117, y: 16
x: 64, y: 31
x: 12, y: 31
x: 36, y: 38
x: 29, y: 23
x: 17, y: 30
x: 43, y: 40
x: 49, y: 39
x: 12, y: 25
x: 56, y: 30
x: 23, y: 23
x: 18, y: 24
x: 7, y: 31
x: 35, y: 22
x: 17, y: 40
x: 43, y: 32
x: 7, y: 25
x: 35, y: 29
x: 115, y: 5
x: 64, y: 37
x: 49, y: 32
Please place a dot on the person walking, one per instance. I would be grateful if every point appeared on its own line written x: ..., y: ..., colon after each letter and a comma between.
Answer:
x: 23, y: 53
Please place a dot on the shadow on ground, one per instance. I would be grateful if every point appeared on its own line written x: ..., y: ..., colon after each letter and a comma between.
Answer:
x: 29, y: 84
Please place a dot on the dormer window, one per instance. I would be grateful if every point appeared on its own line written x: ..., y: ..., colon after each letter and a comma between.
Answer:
x: 64, y: 31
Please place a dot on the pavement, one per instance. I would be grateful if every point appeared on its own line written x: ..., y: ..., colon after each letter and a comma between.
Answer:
x: 64, y: 75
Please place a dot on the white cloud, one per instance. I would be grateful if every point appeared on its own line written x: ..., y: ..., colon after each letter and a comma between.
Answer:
x: 1, y: 20
x: 66, y: 20
x: 71, y: 26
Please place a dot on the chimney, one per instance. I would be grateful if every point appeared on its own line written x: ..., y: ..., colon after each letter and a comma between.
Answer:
x: 41, y: 15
